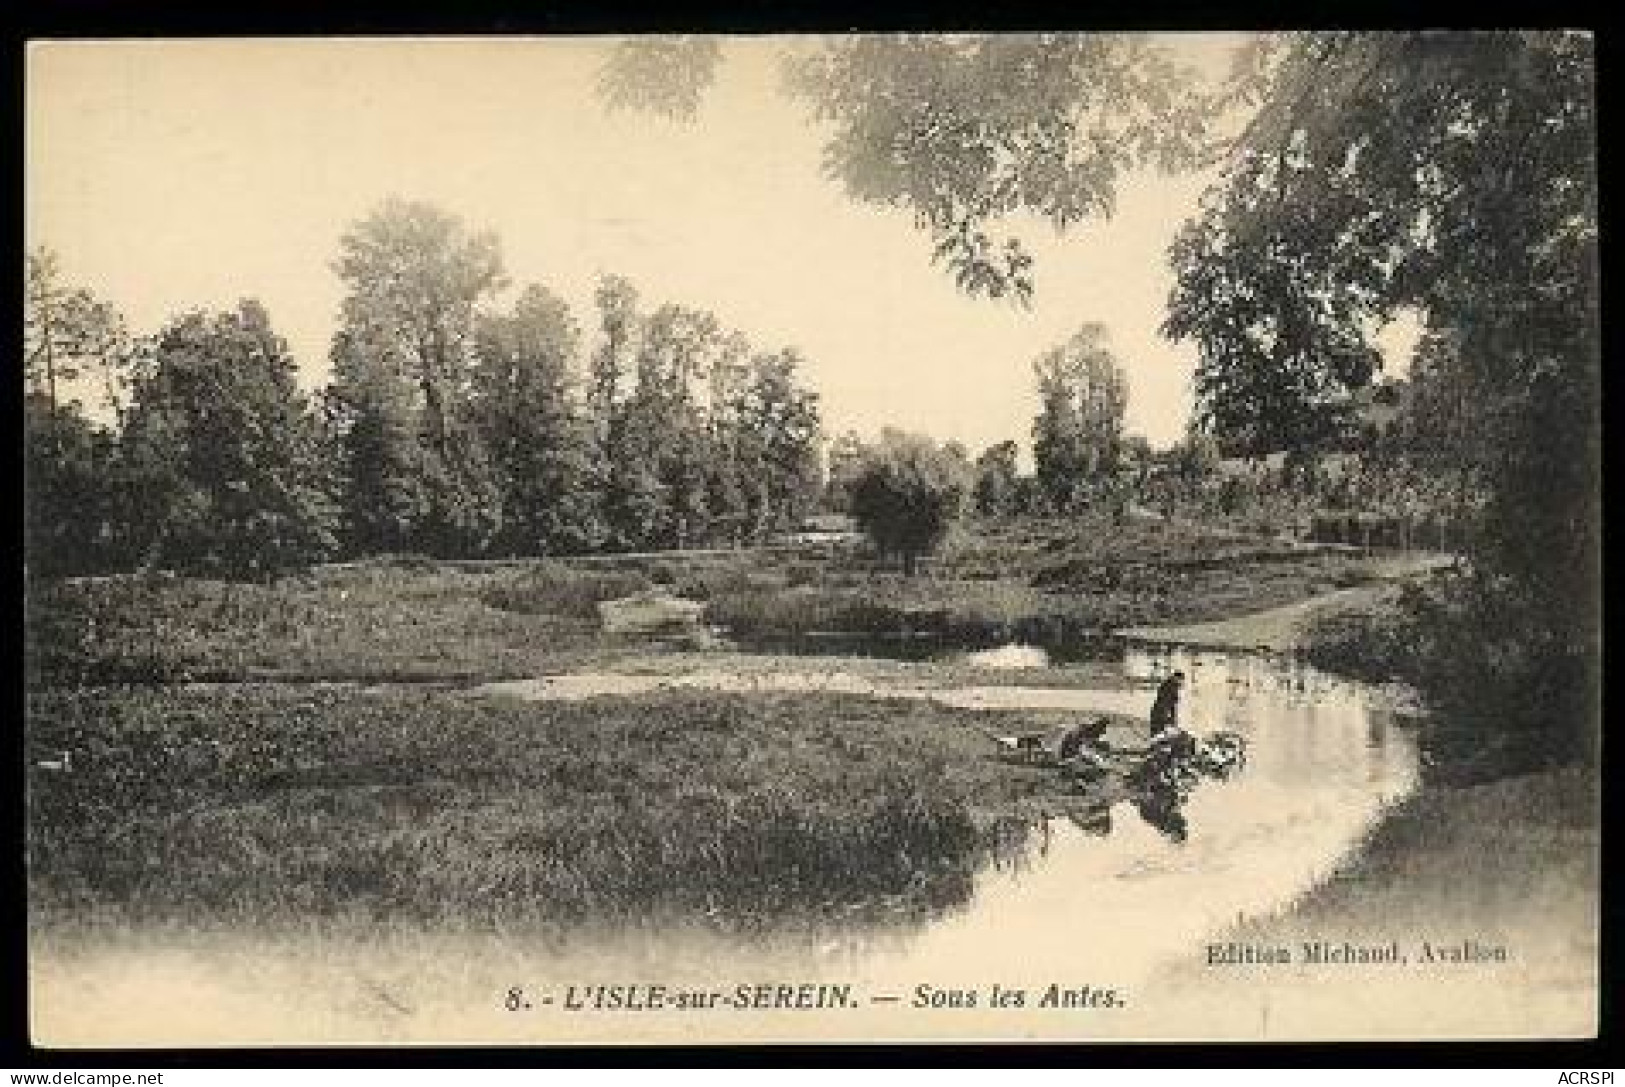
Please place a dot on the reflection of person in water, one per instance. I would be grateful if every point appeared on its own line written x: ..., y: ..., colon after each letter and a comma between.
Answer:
x: 1095, y: 820
x: 1162, y: 810
x: 1164, y: 781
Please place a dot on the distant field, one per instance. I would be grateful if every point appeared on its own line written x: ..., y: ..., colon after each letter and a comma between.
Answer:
x: 420, y: 620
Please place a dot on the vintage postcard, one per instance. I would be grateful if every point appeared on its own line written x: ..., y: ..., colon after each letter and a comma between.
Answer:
x: 867, y: 538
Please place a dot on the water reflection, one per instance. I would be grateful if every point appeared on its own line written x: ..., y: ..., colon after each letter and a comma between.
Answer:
x: 1153, y: 871
x: 1041, y: 641
x: 1158, y: 860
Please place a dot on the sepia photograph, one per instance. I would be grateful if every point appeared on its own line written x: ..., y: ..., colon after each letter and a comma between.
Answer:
x: 723, y: 539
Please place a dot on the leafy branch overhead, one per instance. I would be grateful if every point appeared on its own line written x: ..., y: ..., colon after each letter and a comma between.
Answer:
x: 965, y: 131
x: 1446, y: 173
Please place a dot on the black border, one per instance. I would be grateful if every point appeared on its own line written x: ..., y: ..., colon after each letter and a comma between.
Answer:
x: 312, y: 18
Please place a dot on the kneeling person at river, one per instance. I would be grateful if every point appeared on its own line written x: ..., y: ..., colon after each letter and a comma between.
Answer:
x: 1084, y: 748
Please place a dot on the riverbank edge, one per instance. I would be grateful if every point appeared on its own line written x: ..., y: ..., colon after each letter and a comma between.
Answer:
x: 1438, y: 828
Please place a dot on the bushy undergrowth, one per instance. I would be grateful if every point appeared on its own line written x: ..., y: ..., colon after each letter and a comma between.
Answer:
x: 1377, y: 642
x: 271, y: 806
x: 1507, y: 694
x: 1502, y: 696
x: 555, y: 589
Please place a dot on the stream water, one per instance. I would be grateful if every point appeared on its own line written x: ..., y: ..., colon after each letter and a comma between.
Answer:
x: 1112, y: 896
x: 1116, y: 898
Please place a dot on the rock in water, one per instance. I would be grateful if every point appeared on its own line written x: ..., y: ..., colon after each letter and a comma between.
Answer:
x: 651, y: 612
x: 1014, y: 655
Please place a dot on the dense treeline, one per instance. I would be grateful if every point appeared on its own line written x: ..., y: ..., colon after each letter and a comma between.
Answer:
x: 453, y: 425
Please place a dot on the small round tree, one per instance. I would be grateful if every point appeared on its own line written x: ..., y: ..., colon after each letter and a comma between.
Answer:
x: 907, y: 494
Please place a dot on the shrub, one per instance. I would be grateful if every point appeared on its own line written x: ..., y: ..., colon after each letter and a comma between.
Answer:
x: 555, y: 589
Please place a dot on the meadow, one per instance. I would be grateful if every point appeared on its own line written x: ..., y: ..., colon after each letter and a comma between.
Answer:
x: 307, y: 749
x: 407, y: 619
x: 275, y: 805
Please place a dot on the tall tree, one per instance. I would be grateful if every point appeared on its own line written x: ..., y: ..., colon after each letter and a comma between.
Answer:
x: 373, y: 430
x: 416, y: 277
x: 72, y: 513
x: 1455, y: 174
x: 1078, y: 434
x: 780, y: 439
x: 996, y: 477
x: 612, y: 362
x: 678, y: 349
x: 844, y: 462
x: 728, y: 479
x: 72, y: 510
x: 540, y: 443
x: 70, y: 336
x: 909, y: 494
x: 223, y: 451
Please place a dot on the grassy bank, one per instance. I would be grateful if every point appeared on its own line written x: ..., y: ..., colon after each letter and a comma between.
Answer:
x: 273, y: 806
x: 1515, y: 861
x: 1373, y: 641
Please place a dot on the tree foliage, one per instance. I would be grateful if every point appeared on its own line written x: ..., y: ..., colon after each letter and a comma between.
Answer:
x: 539, y: 440
x: 665, y: 74
x: 909, y: 494
x: 1078, y: 434
x: 416, y: 277
x: 222, y: 452
x: 72, y: 507
x: 1452, y: 173
x: 997, y: 479
x: 965, y: 130
x: 71, y: 337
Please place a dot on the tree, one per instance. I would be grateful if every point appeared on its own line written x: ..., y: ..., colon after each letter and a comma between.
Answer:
x: 779, y: 441
x: 1195, y: 459
x: 1078, y: 434
x: 665, y: 75
x: 845, y: 462
x: 416, y: 277
x: 620, y: 326
x: 72, y: 512
x: 679, y: 347
x: 1454, y: 174
x: 962, y: 130
x: 372, y: 428
x: 70, y: 337
x: 223, y: 452
x: 1277, y: 329
x: 540, y: 444
x: 996, y: 476
x: 71, y: 509
x: 632, y: 500
x: 908, y: 495
x: 727, y: 477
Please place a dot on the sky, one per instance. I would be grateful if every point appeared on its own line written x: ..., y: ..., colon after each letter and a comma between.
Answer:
x: 169, y: 176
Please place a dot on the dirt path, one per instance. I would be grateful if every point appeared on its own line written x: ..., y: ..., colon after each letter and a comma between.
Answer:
x: 1279, y: 630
